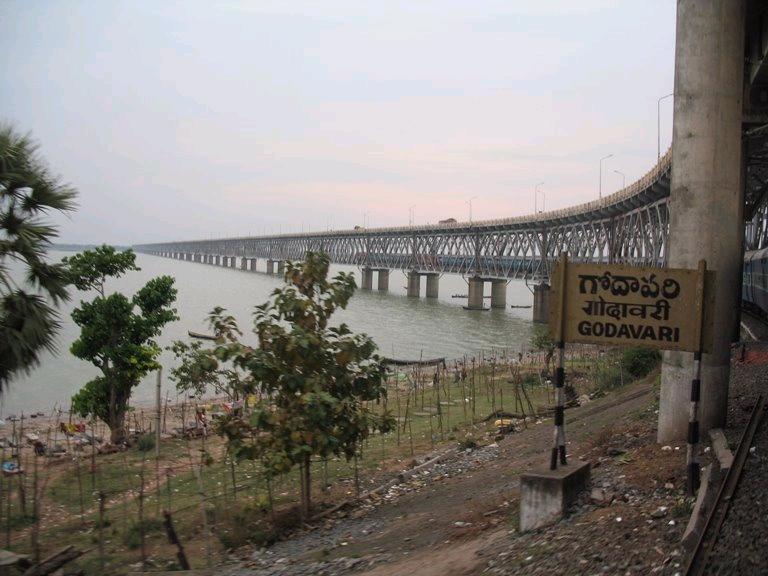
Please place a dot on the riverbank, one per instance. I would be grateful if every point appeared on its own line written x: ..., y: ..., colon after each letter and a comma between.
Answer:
x: 217, y: 503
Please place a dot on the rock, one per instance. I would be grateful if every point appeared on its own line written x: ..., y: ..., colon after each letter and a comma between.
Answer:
x: 660, y: 512
x: 669, y: 486
x: 666, y: 448
x: 598, y: 496
x: 462, y: 524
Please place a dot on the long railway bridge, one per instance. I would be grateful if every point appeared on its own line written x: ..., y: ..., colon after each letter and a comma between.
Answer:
x: 630, y: 226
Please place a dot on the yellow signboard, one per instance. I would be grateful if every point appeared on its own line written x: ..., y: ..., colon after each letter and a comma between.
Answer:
x: 612, y: 304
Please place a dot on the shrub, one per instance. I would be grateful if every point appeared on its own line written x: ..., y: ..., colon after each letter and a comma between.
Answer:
x: 530, y: 380
x: 640, y: 362
x: 132, y: 536
x: 468, y: 443
x: 146, y: 442
x: 608, y: 376
x: 237, y: 527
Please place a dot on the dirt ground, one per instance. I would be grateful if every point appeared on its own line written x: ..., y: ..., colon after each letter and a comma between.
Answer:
x: 460, y: 517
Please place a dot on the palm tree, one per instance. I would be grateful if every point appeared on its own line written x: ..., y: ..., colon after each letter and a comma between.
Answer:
x: 28, y: 192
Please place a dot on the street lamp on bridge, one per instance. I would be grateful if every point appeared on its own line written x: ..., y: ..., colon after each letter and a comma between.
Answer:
x: 623, y: 178
x: 536, y: 191
x: 600, y: 186
x: 470, y: 207
x: 658, y: 125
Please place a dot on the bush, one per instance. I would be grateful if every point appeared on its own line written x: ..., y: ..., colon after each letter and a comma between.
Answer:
x: 146, y: 442
x: 640, y: 362
x: 530, y: 380
x: 608, y: 377
x: 132, y: 536
x: 237, y: 527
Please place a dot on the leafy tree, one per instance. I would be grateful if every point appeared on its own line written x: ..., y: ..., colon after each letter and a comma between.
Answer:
x: 200, y: 370
x: 315, y: 380
x: 542, y: 340
x: 116, y: 333
x: 28, y: 191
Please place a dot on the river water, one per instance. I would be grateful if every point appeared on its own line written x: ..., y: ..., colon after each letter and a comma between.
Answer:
x: 402, y: 327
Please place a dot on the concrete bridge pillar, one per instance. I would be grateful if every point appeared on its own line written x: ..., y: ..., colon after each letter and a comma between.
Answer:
x: 433, y: 285
x: 281, y: 268
x: 541, y: 303
x: 414, y: 284
x: 366, y: 282
x: 253, y: 265
x: 475, y: 296
x: 196, y: 257
x: 706, y: 197
x: 232, y: 261
x: 244, y: 263
x: 383, y: 284
x: 217, y: 260
x: 499, y: 294
x: 270, y: 266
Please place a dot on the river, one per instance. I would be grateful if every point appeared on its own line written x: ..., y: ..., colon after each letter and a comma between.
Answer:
x: 402, y: 327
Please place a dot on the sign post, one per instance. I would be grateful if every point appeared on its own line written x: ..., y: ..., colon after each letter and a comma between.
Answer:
x: 558, y: 445
x: 619, y: 305
x: 692, y: 456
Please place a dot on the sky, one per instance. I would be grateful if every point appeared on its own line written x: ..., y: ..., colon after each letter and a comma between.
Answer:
x: 198, y: 119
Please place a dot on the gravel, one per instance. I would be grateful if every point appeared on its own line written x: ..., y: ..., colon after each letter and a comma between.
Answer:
x: 302, y: 554
x: 741, y: 545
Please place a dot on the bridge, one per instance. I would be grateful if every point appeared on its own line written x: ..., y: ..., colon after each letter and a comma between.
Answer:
x: 628, y: 226
x: 706, y: 198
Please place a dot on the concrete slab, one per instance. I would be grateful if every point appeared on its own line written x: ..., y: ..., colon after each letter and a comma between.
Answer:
x: 720, y: 446
x: 546, y: 494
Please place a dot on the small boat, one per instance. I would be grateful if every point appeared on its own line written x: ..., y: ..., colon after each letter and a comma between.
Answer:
x: 200, y: 336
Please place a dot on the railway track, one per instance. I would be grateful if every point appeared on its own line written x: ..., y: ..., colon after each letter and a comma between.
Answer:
x: 702, y: 552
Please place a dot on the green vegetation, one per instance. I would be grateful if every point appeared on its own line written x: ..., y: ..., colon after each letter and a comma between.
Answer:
x: 114, y: 337
x: 146, y: 442
x: 28, y: 192
x: 314, y: 381
x: 640, y: 362
x: 542, y: 340
x: 199, y: 370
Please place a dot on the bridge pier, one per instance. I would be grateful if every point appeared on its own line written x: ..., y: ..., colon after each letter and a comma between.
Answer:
x: 366, y: 282
x: 244, y: 263
x: 217, y: 260
x: 498, y: 294
x: 383, y: 284
x: 253, y: 265
x: 475, y: 296
x: 414, y: 284
x: 433, y: 285
x: 232, y: 261
x: 706, y: 200
x: 270, y: 266
x: 541, y: 303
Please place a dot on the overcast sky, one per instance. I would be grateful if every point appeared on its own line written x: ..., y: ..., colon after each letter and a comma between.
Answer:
x: 213, y: 118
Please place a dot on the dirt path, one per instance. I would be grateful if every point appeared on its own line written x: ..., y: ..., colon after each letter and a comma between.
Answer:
x: 441, y: 521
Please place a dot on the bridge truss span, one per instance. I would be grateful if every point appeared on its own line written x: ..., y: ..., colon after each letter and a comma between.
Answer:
x: 630, y: 226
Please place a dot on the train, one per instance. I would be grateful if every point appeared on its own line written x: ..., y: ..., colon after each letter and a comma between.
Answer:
x: 754, y: 288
